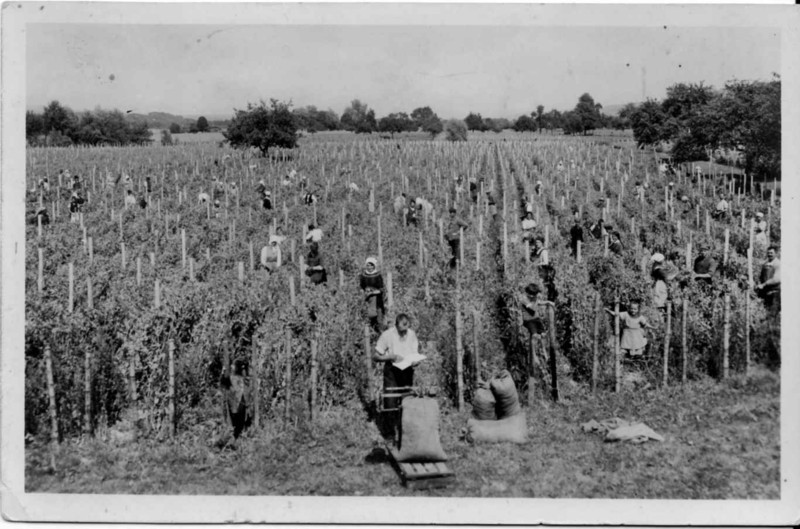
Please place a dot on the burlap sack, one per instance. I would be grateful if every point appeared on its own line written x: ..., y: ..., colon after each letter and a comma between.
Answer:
x: 509, y: 430
x: 483, y: 405
x: 505, y: 393
x: 419, y: 439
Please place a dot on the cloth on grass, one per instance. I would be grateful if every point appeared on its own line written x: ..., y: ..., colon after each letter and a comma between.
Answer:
x: 511, y: 429
x: 419, y: 438
x: 616, y: 429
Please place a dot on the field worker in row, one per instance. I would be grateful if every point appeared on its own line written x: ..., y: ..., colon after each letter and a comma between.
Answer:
x: 371, y: 283
x: 410, y: 213
x: 110, y: 180
x: 453, y: 236
x: 315, y: 270
x: 203, y: 198
x: 76, y: 183
x: 658, y: 273
x: 261, y: 188
x: 232, y: 189
x: 538, y: 188
x: 598, y: 230
x: 769, y: 282
x: 266, y: 200
x: 76, y: 202
x: 127, y: 181
x: 632, y: 327
x: 314, y: 234
x: 615, y: 243
x: 539, y: 254
x: 704, y: 265
x: 575, y: 235
x: 560, y: 166
x: 271, y: 257
x: 473, y: 190
x: 397, y: 346
x: 399, y: 204
x: 148, y: 184
x: 760, y: 230
x: 130, y: 200
x: 425, y: 208
x: 310, y: 198
x: 41, y: 213
x: 352, y: 187
x: 722, y: 208
x: 528, y: 225
x: 638, y: 192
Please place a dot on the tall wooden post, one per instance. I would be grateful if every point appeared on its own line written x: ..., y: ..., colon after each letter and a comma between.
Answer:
x: 598, y: 315
x: 87, y: 392
x: 667, y: 337
x: 183, y: 249
x: 475, y: 352
x: 684, y: 345
x: 552, y: 350
x: 71, y: 300
x: 746, y: 332
x: 40, y: 273
x: 171, y: 359
x: 51, y: 394
x: 367, y: 364
x: 313, y: 389
x: 459, y: 358
x: 389, y: 290
x: 617, y: 361
x: 726, y: 335
x: 288, y: 377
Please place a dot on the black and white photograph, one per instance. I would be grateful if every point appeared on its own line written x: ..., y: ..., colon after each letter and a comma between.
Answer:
x: 399, y: 263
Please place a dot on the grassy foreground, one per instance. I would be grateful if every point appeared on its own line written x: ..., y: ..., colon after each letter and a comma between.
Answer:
x: 721, y: 442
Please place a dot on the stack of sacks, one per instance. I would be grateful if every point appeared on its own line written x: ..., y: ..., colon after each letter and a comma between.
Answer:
x: 497, y: 414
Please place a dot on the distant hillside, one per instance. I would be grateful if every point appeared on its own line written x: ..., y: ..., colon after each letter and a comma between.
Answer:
x: 159, y: 120
x: 162, y: 120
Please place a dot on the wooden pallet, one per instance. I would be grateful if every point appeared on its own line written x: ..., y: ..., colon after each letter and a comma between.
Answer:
x: 421, y: 476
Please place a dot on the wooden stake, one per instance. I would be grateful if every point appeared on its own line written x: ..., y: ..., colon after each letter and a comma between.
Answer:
x: 171, y: 351
x: 459, y: 359
x: 122, y: 250
x: 617, y: 362
x: 90, y: 244
x: 51, y: 394
x: 40, y: 274
x: 367, y: 365
x: 288, y: 376
x: 726, y: 336
x: 71, y: 301
x: 138, y: 271
x: 746, y: 332
x: 598, y: 314
x: 552, y: 350
x: 727, y: 246
x: 87, y: 391
x: 314, y: 367
x: 157, y: 294
x: 183, y: 249
x: 389, y: 294
x: 475, y: 353
x: 291, y: 291
x: 667, y: 336
x: 684, y: 347
x: 89, y: 296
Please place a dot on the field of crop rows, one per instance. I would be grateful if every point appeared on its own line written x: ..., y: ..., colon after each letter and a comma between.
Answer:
x: 138, y: 309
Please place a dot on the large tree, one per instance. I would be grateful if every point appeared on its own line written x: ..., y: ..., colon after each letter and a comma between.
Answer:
x: 647, y: 122
x: 263, y: 126
x: 359, y: 118
x: 58, y: 118
x: 427, y: 120
x: 202, y: 124
x: 455, y: 130
x: 396, y: 122
x: 474, y: 121
x: 587, y: 113
x: 539, y: 114
x: 525, y: 123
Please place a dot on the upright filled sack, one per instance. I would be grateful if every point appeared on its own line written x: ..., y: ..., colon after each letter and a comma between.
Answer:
x: 505, y: 393
x: 419, y: 440
x: 483, y: 405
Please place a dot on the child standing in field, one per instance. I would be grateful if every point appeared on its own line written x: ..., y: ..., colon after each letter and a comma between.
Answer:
x: 632, y: 325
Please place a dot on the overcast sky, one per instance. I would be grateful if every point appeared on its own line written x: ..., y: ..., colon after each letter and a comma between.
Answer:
x: 496, y: 71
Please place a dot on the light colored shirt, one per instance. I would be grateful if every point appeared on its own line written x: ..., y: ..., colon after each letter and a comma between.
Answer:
x: 528, y: 224
x: 390, y: 342
x: 130, y: 200
x: 314, y: 235
x: 203, y: 197
x: 271, y: 256
x: 722, y: 205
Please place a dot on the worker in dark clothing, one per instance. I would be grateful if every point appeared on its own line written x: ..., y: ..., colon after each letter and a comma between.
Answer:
x: 315, y: 269
x: 453, y: 236
x: 575, y: 235
x: 703, y: 265
x: 237, y: 410
x: 616, y: 243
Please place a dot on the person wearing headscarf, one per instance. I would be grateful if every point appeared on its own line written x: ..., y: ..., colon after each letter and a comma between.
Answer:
x: 538, y: 188
x: 371, y: 283
x: 266, y: 200
x: 760, y: 228
x: 314, y: 234
x: 658, y: 273
x: 399, y: 204
x: 271, y: 256
x: 410, y: 213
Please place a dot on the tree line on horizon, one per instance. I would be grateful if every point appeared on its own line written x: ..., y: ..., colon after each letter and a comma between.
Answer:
x: 692, y: 122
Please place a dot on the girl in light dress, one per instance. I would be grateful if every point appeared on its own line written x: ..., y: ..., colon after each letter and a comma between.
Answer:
x: 633, y: 325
